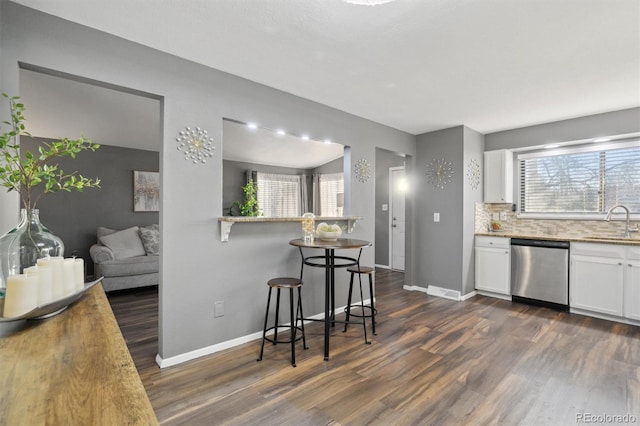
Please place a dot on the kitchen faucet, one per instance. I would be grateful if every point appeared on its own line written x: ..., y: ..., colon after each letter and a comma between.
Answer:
x: 627, y: 229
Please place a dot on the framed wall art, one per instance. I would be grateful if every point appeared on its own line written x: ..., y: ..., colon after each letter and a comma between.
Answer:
x: 146, y: 191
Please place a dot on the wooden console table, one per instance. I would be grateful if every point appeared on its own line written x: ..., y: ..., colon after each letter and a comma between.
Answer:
x: 71, y: 369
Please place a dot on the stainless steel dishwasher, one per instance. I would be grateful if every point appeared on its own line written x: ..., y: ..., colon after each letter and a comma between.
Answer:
x: 540, y: 272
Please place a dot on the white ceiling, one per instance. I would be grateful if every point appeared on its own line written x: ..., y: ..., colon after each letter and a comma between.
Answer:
x: 263, y: 146
x: 415, y: 65
x: 58, y: 107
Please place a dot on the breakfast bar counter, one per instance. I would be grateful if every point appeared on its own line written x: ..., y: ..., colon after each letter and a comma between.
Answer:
x: 73, y: 369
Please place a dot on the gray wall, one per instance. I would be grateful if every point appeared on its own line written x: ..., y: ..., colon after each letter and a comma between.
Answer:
x: 444, y: 250
x: 196, y: 268
x: 74, y: 216
x: 438, y: 245
x: 592, y: 126
x: 384, y: 160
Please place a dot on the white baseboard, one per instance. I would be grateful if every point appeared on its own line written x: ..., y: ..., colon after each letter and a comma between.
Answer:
x: 382, y: 266
x: 469, y: 295
x: 492, y: 294
x: 414, y: 288
x: 604, y: 316
x: 188, y: 356
x: 443, y: 292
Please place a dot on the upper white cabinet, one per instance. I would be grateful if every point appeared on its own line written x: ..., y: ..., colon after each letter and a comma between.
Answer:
x: 498, y: 176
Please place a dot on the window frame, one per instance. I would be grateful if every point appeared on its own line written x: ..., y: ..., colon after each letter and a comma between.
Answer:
x: 573, y: 149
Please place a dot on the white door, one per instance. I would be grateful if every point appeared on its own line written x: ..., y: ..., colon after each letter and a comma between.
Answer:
x: 397, y: 191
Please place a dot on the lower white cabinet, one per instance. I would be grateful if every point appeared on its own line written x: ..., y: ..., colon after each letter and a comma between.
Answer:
x: 632, y: 284
x: 493, y: 264
x: 605, y: 278
x: 596, y: 284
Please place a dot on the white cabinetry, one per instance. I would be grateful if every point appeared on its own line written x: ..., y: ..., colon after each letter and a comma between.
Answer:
x: 493, y: 264
x: 498, y: 176
x: 605, y: 279
x: 596, y: 283
x: 632, y: 284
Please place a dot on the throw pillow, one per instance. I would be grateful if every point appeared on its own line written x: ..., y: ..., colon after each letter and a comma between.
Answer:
x: 124, y: 244
x: 102, y: 231
x: 150, y: 236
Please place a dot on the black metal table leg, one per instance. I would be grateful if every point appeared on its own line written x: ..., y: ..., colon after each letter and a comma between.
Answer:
x: 328, y: 254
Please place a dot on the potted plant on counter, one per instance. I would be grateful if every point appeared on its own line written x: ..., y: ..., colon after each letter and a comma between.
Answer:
x: 32, y: 175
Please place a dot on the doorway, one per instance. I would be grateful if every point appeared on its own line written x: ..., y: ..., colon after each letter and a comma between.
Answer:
x: 397, y: 191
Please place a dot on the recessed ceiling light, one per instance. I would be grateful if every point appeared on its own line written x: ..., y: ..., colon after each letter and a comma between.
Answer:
x: 280, y: 132
x: 327, y: 141
x: 305, y: 137
x: 252, y: 126
x: 601, y: 140
x: 551, y: 146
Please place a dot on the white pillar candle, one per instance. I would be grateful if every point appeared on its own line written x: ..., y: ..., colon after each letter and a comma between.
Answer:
x: 78, y: 268
x: 57, y: 277
x: 45, y: 283
x: 22, y: 295
x: 69, y: 276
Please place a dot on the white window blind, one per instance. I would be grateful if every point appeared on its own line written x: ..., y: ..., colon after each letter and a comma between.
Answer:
x: 331, y: 194
x: 580, y: 180
x: 279, y: 195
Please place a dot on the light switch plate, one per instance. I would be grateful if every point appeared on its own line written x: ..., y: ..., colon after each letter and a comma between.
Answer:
x: 436, y: 217
x: 385, y: 207
x: 218, y: 309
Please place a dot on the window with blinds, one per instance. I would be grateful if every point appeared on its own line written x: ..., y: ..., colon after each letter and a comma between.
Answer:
x: 279, y: 195
x: 580, y: 180
x: 331, y: 194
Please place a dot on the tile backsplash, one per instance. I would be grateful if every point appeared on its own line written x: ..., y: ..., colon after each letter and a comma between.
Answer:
x: 568, y: 227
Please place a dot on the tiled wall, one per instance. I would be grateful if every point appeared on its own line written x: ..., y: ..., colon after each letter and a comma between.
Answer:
x: 570, y: 228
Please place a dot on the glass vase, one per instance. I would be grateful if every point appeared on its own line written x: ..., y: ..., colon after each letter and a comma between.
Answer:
x: 308, y: 227
x: 21, y: 247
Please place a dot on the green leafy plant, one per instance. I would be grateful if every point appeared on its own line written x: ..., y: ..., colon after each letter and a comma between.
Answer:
x: 249, y: 206
x: 33, y: 175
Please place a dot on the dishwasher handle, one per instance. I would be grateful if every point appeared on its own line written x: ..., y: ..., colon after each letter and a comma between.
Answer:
x: 540, y: 243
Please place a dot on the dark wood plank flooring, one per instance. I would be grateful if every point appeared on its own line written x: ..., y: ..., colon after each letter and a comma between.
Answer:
x: 433, y: 361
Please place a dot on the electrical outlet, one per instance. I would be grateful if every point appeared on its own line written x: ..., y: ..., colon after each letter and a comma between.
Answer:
x: 503, y: 215
x: 436, y: 217
x: 385, y: 207
x: 218, y: 309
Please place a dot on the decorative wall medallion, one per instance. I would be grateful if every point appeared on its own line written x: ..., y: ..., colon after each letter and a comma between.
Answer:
x: 473, y: 173
x: 439, y: 173
x: 362, y: 170
x: 196, y: 144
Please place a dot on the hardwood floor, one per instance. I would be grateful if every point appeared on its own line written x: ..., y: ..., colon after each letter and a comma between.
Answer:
x: 433, y: 361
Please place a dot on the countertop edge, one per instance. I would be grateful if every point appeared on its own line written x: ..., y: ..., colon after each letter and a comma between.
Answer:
x: 599, y: 240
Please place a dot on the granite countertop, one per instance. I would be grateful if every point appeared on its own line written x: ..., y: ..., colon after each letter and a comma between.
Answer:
x: 604, y: 239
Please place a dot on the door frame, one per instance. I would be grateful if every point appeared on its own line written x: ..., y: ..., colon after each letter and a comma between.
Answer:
x: 389, y: 228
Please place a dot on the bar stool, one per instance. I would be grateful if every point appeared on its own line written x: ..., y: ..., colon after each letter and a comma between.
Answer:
x: 279, y: 284
x: 366, y: 311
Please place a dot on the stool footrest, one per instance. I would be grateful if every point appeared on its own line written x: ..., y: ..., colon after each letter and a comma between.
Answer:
x: 284, y: 328
x: 348, y: 310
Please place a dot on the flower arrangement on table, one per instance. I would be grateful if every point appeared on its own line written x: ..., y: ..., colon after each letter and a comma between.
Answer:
x: 328, y: 232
